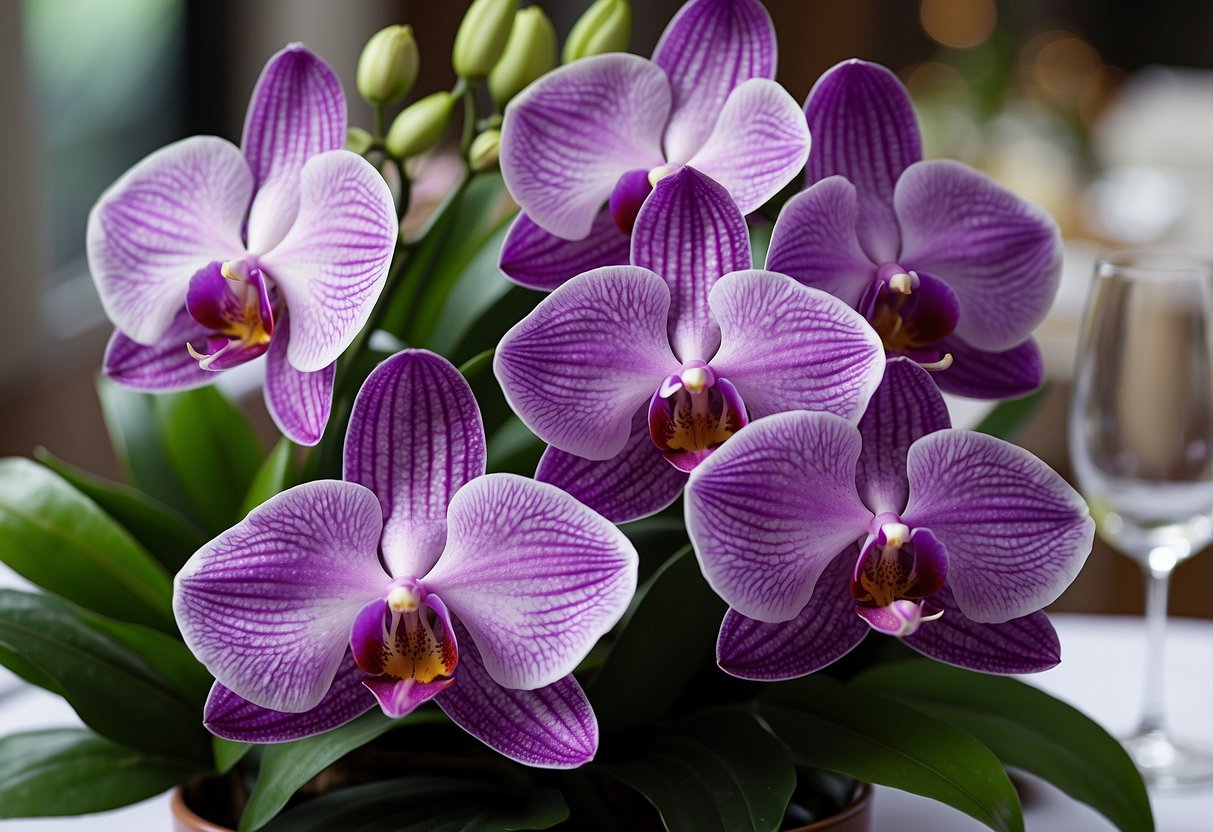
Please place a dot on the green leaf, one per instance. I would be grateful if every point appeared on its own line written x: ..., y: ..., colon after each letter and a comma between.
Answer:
x: 426, y: 804
x: 668, y: 633
x: 847, y: 729
x: 163, y: 531
x: 514, y: 448
x: 276, y: 475
x: 59, y: 539
x: 1027, y: 728
x: 477, y: 363
x: 1007, y: 419
x: 213, y: 450
x: 71, y: 771
x: 166, y: 655
x: 718, y: 771
x: 115, y: 691
x: 228, y: 753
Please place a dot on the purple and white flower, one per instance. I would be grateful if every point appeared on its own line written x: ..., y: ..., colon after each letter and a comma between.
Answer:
x: 634, y: 374
x: 815, y: 532
x: 206, y: 255
x: 953, y: 270
x: 416, y: 577
x: 601, y: 131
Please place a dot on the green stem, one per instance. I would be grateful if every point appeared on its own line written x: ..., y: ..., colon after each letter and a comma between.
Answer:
x: 380, y: 123
x: 469, y: 122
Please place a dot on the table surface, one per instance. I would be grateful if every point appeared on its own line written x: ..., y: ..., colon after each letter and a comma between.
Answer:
x: 1100, y: 673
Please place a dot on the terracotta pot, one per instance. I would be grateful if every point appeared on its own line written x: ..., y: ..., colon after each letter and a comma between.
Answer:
x: 856, y: 816
x: 184, y: 819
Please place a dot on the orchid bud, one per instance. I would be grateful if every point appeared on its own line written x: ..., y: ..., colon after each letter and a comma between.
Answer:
x: 485, y: 151
x: 420, y: 126
x: 529, y: 53
x: 388, y: 65
x: 358, y: 140
x: 605, y: 26
x: 482, y: 37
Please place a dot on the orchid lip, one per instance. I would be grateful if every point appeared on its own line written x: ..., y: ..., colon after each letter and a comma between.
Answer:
x: 692, y: 413
x: 898, y: 566
x: 234, y: 300
x: 913, y: 313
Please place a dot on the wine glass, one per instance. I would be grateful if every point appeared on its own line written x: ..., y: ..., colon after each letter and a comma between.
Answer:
x: 1141, y: 440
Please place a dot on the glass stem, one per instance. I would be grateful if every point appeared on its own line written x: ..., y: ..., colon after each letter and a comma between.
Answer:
x: 1153, y: 699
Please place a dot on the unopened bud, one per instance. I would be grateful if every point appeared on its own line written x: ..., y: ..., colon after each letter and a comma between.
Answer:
x: 529, y: 52
x: 605, y: 26
x: 358, y: 140
x: 485, y: 151
x: 482, y: 37
x: 420, y: 126
x: 388, y: 65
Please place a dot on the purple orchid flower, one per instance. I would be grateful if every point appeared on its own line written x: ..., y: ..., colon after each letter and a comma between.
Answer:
x: 634, y: 374
x: 950, y: 539
x: 416, y: 577
x: 602, y: 131
x: 206, y: 255
x: 952, y: 270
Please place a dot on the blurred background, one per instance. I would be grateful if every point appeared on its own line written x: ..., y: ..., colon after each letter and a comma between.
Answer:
x: 1099, y: 110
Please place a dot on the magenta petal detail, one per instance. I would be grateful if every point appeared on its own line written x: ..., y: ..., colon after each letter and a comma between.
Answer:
x: 533, y: 258
x: 298, y: 402
x: 163, y: 367
x: 991, y: 375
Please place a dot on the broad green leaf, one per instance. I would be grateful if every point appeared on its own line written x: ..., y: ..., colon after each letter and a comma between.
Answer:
x: 668, y: 633
x: 213, y: 450
x: 72, y: 771
x: 426, y: 804
x: 276, y: 474
x: 1026, y: 728
x: 478, y: 363
x: 163, y: 531
x: 475, y: 291
x: 1007, y: 418
x: 847, y: 729
x: 114, y: 690
x: 228, y: 753
x: 718, y: 771
x: 56, y: 537
x: 513, y: 448
x: 167, y: 655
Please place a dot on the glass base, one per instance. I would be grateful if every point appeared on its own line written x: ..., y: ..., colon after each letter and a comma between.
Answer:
x: 1166, y: 765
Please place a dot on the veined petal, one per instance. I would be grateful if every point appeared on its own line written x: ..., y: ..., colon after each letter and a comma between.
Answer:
x: 164, y: 366
x: 759, y: 143
x: 549, y: 727
x: 167, y: 217
x: 788, y: 347
x: 772, y: 507
x: 536, y: 577
x: 864, y: 128
x: 691, y: 232
x: 234, y: 718
x: 415, y: 438
x: 709, y: 48
x: 568, y: 137
x: 1015, y: 532
x: 1000, y: 254
x: 297, y: 111
x: 298, y: 402
x: 1021, y: 645
x: 1003, y: 374
x: 267, y: 605
x: 814, y: 241
x: 333, y: 262
x: 905, y: 407
x: 579, y: 366
x: 533, y: 258
x: 824, y: 631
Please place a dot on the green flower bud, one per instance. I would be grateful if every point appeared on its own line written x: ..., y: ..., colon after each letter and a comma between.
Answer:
x: 482, y: 36
x: 358, y: 140
x: 420, y: 126
x: 529, y: 52
x: 605, y: 26
x: 485, y: 150
x: 388, y: 65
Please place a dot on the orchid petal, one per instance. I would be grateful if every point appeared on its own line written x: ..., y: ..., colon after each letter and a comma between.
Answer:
x: 234, y: 718
x: 415, y: 438
x: 400, y: 697
x: 166, y: 218
x: 549, y: 727
x: 690, y: 232
x: 814, y: 241
x: 297, y: 111
x: 824, y: 631
x: 635, y: 483
x: 864, y: 129
x: 788, y: 347
x: 905, y: 407
x: 533, y: 258
x: 267, y: 605
x: 1015, y: 532
x: 772, y: 507
x: 161, y: 367
x: 578, y: 367
x: 298, y: 402
x: 536, y: 577
x: 706, y: 50
x: 1004, y: 374
x: 759, y: 143
x: 999, y: 253
x: 568, y: 137
x: 332, y: 264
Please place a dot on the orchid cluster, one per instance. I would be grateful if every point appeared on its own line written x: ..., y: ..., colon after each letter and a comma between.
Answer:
x: 794, y: 405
